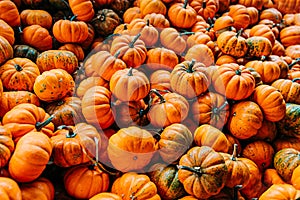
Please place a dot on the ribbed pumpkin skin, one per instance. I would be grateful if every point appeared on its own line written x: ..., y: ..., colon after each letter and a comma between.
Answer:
x: 57, y: 59
x: 290, y: 124
x: 9, y: 189
x: 31, y: 155
x: 41, y: 189
x: 6, y: 50
x: 106, y: 196
x: 7, y: 146
x: 166, y: 180
x: 7, y: 32
x: 280, y: 192
x: 289, y: 89
x: 285, y: 161
x: 83, y: 9
x: 259, y: 46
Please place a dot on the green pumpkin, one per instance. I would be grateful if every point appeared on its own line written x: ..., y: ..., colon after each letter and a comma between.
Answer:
x: 290, y: 124
x: 25, y: 51
x: 166, y: 180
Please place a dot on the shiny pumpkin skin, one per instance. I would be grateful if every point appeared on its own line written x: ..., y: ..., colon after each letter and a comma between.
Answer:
x: 19, y: 74
x: 245, y: 119
x: 53, y: 85
x: 89, y: 82
x: 7, y: 145
x: 135, y: 186
x: 85, y: 181
x: 171, y: 39
x: 57, y: 59
x: 152, y: 6
x: 290, y: 35
x: 76, y: 49
x: 174, y: 141
x: 289, y: 89
x: 295, y: 181
x: 9, y: 189
x: 280, y: 191
x: 285, y: 161
x: 290, y: 124
x: 6, y: 50
x: 16, y: 120
x: 41, y: 188
x: 12, y: 98
x: 105, y: 21
x: 31, y: 155
x: 200, y: 176
x: 165, y: 177
x: 190, y: 79
x: 160, y: 80
x: 131, y: 148
x: 10, y: 13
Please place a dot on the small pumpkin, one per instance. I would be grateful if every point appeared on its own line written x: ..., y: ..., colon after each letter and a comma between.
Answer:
x: 152, y: 6
x: 75, y: 48
x: 89, y: 82
x: 290, y: 123
x: 41, y: 188
x: 240, y: 16
x: 10, y: 13
x: 7, y: 146
x: 157, y: 20
x: 289, y: 89
x: 39, y: 17
x: 7, y: 32
x: 171, y: 39
x: 271, y: 177
x: 25, y: 51
x: 132, y: 13
x: 9, y: 189
x: 6, y: 50
x: 105, y: 21
x: 160, y: 80
x: 83, y: 9
x: 290, y: 35
x: 259, y: 46
x: 200, y: 53
x: 280, y: 191
x: 161, y: 58
x: 267, y: 132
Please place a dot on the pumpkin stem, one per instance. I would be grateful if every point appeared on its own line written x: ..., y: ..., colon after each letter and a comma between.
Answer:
x: 61, y: 102
x: 155, y: 91
x: 130, y: 72
x: 147, y: 22
x: 185, y: 4
x: 196, y: 170
x: 234, y: 153
x: 40, y: 125
x: 294, y: 63
x: 117, y: 54
x: 18, y: 67
x: 73, y: 17
x: 186, y: 33
x: 204, y: 4
x: 235, y: 191
x: 70, y: 133
x: 238, y: 72
x: 20, y: 29
x: 263, y: 58
x: 191, y: 65
x: 296, y: 80
x: 210, y: 21
x: 218, y: 109
x: 107, y: 39
x: 131, y: 44
x: 238, y: 34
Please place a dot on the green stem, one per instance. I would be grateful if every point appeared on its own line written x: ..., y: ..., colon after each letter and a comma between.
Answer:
x: 263, y: 58
x: 235, y: 191
x: 190, y: 66
x: 238, y: 34
x: 204, y: 4
x: 73, y: 17
x: 70, y: 133
x: 131, y: 44
x: 117, y: 54
x: 234, y: 153
x: 155, y: 91
x: 18, y: 67
x: 196, y: 170
x: 238, y: 72
x: 40, y: 125
x: 185, y: 4
x: 218, y: 109
x: 130, y: 72
x: 294, y: 63
x: 186, y: 33
x: 296, y: 79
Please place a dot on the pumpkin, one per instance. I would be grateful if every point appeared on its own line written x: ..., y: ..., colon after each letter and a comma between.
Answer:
x: 166, y: 109
x: 289, y: 125
x: 129, y: 113
x: 278, y: 49
x: 120, y: 6
x: 41, y: 188
x: 205, y: 8
x: 239, y: 15
x: 25, y: 118
x: 238, y: 171
x: 285, y: 161
x: 290, y: 35
x: 66, y: 111
x: 166, y: 180
x: 205, y: 27
x: 271, y: 14
x: 189, y: 79
x: 53, y: 85
x: 232, y: 141
x: 31, y: 155
x: 259, y: 46
x: 105, y: 21
x: 131, y: 148
x: 293, y: 51
x: 269, y: 71
x: 171, y: 39
x: 19, y: 74
x: 161, y: 58
x: 157, y: 20
x: 284, y: 67
x: 202, y: 171
x: 280, y: 191
x: 40, y: 17
x: 263, y: 30
x: 37, y: 37
x: 85, y: 181
x: 286, y: 142
x: 106, y: 64
x: 96, y: 108
x: 152, y: 6
x: 289, y: 89
x: 12, y: 98
x: 89, y: 40
x: 182, y: 15
x: 271, y: 177
x: 270, y: 101
x: 200, y: 53
x: 260, y: 152
x: 273, y: 26
x: 207, y: 135
x: 245, y: 119
x: 200, y: 38
x: 6, y: 50
x: 83, y: 9
x: 72, y: 145
x: 222, y: 24
x: 225, y: 59
x: 160, y: 80
x: 106, y: 196
x: 9, y: 189
x: 254, y: 15
x: 25, y: 51
x: 174, y: 141
x: 131, y: 13
x: 7, y: 145
x: 234, y: 81
x: 7, y: 32
x: 135, y: 186
x: 10, y: 13
x: 232, y: 43
x: 70, y: 31
x: 89, y: 82
x: 295, y: 178
x: 74, y: 48
x: 267, y: 132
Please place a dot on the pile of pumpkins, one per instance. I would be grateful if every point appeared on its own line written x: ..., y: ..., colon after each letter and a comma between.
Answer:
x: 149, y: 99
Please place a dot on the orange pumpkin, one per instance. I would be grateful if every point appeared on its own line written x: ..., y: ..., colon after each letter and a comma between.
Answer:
x: 7, y: 32
x: 7, y: 145
x: 9, y: 189
x: 205, y: 8
x: 271, y: 177
x: 152, y: 6
x: 161, y: 58
x: 290, y: 35
x: 83, y: 9
x: 39, y: 17
x: 240, y: 16
x: 200, y: 53
x: 10, y: 13
x: 6, y: 50
x: 259, y: 46
x: 41, y: 188
x: 263, y: 31
x: 280, y: 191
x: 75, y: 48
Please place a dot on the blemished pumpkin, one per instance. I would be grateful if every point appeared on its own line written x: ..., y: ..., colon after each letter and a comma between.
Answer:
x: 105, y: 21
x: 39, y: 17
x: 289, y: 125
x: 31, y: 155
x: 259, y: 46
x: 289, y: 89
x: 25, y: 51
